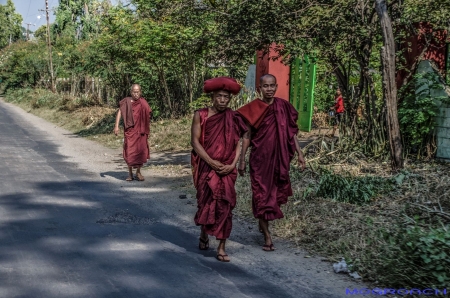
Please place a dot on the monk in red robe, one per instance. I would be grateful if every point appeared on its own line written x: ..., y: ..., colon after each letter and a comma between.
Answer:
x: 272, y: 134
x: 136, y: 113
x: 215, y: 139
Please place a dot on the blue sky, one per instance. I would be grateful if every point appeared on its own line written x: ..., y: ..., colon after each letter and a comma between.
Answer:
x: 29, y: 9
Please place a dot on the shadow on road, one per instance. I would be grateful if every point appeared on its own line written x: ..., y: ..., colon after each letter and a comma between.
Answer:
x: 51, y: 245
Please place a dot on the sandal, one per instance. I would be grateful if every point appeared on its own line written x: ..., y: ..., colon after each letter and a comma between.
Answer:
x: 268, y: 247
x: 221, y: 258
x: 139, y: 177
x: 129, y: 179
x: 203, y: 244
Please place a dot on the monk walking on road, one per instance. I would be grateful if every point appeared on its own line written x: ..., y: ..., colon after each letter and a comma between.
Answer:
x: 136, y: 121
x: 272, y: 134
x: 215, y: 139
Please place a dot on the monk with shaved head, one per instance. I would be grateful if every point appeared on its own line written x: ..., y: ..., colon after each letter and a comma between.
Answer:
x: 272, y: 135
x: 136, y: 113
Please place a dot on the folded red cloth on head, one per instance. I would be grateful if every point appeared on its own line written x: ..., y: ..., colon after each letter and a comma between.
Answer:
x: 222, y: 83
x: 254, y: 112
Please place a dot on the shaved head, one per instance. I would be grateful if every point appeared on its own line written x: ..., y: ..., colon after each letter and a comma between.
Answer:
x: 136, y: 91
x: 266, y: 76
x: 136, y: 85
x: 268, y: 87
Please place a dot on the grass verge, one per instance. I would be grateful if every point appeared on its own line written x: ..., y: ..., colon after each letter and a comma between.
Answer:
x: 391, y: 229
x: 93, y: 121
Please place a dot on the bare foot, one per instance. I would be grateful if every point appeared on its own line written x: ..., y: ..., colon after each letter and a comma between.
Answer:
x: 139, y: 177
x: 203, y: 243
x: 222, y: 256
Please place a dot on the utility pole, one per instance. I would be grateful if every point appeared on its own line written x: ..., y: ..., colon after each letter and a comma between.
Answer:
x: 49, y: 45
x: 28, y: 30
x: 10, y: 35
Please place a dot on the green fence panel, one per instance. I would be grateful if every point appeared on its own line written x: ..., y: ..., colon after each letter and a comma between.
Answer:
x: 302, y: 83
x: 447, y: 63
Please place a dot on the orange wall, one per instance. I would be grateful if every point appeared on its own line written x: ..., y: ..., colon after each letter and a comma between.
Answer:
x: 265, y: 65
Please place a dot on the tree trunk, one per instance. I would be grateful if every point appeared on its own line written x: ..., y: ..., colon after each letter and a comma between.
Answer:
x: 389, y: 85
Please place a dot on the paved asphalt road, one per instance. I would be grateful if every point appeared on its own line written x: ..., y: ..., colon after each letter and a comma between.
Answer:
x: 53, y: 245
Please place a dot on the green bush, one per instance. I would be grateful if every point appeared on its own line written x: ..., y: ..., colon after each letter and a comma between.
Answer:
x: 36, y: 98
x: 23, y: 65
x: 417, y: 257
x: 350, y: 189
x: 200, y: 103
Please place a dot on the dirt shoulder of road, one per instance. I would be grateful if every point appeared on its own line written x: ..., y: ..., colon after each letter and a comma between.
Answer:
x: 168, y: 175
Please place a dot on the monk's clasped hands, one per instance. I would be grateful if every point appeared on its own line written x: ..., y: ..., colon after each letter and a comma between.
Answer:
x: 226, y: 169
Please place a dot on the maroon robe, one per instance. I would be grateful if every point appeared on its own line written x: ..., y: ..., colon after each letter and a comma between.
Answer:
x: 216, y: 196
x: 136, y: 119
x: 272, y: 149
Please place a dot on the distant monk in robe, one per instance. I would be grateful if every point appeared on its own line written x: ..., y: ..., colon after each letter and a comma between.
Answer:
x: 136, y: 113
x: 272, y: 135
x: 216, y: 132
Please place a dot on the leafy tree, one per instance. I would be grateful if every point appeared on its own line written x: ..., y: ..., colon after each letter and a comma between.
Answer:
x: 80, y: 19
x: 10, y: 24
x: 41, y: 33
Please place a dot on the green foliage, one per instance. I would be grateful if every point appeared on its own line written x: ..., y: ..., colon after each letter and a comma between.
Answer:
x: 10, y: 24
x: 43, y: 98
x: 37, y: 98
x: 22, y: 65
x: 416, y: 256
x: 200, y: 103
x: 80, y: 19
x: 350, y: 189
x: 417, y: 111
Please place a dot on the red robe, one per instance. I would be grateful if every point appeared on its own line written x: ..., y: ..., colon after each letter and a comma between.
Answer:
x: 136, y: 130
x: 272, y: 149
x: 216, y: 196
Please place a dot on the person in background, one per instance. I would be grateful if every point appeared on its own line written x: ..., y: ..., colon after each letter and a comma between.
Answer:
x: 136, y: 114
x: 338, y: 109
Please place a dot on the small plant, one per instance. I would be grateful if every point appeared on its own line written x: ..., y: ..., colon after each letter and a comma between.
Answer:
x: 418, y: 257
x: 350, y: 189
x: 200, y: 103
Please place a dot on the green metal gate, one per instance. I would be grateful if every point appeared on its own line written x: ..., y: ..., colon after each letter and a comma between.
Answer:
x: 447, y: 63
x: 301, y: 90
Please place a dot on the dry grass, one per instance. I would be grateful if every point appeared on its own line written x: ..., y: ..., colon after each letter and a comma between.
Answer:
x: 171, y: 134
x: 335, y: 229
x: 320, y: 120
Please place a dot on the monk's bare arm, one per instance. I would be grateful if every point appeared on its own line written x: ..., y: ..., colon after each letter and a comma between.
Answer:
x: 116, y: 126
x: 196, y: 132
x: 245, y: 144
x: 238, y: 153
x: 301, y: 159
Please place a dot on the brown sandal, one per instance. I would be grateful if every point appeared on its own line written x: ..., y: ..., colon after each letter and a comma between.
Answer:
x: 221, y: 258
x: 129, y: 179
x: 203, y: 244
x: 268, y: 247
